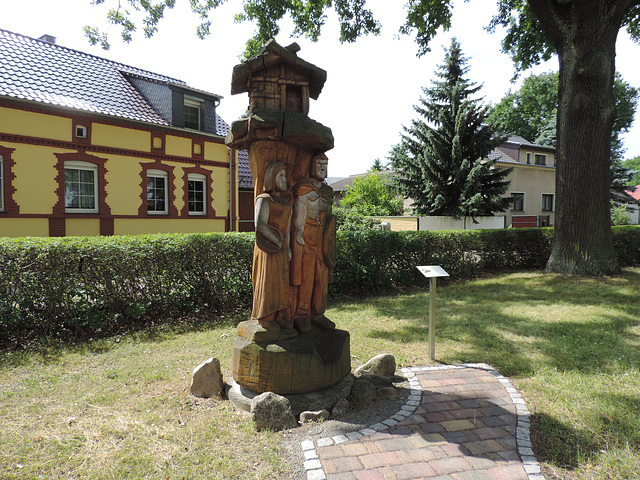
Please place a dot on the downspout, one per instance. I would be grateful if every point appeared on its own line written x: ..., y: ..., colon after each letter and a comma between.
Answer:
x: 231, y: 189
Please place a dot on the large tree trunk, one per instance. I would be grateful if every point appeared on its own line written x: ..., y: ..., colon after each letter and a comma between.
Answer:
x: 585, y: 35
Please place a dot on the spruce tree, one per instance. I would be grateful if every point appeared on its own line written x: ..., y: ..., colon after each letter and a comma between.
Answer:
x: 443, y: 161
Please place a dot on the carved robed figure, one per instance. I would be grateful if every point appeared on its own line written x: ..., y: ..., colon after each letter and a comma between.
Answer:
x: 272, y: 253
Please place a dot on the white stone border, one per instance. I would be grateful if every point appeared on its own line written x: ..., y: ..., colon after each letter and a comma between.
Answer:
x: 315, y: 471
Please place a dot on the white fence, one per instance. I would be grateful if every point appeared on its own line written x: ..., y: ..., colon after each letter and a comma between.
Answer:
x: 445, y: 223
x: 464, y: 223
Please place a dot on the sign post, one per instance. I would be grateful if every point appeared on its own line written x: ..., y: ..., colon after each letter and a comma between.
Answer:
x: 432, y: 272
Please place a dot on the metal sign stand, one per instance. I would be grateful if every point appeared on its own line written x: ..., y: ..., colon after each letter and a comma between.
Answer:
x: 432, y: 272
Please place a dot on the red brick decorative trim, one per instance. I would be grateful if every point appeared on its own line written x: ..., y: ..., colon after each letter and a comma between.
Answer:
x: 107, y: 226
x: 57, y: 227
x: 8, y: 177
x: 171, y: 197
x: 211, y: 213
x: 163, y: 139
x: 103, y: 207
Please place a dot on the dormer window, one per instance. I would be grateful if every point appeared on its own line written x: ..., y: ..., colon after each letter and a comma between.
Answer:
x: 193, y: 110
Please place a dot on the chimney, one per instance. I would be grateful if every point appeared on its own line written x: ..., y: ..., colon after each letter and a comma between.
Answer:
x: 48, y: 38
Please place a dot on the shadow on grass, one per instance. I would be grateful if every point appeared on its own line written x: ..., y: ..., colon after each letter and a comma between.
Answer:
x: 51, y: 348
x: 502, y: 321
x: 560, y: 444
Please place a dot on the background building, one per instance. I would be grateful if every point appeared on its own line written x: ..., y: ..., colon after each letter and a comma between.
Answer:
x: 89, y: 146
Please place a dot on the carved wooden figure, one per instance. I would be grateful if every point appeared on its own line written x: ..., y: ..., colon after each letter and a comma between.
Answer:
x: 272, y: 253
x: 295, y: 230
x: 313, y: 247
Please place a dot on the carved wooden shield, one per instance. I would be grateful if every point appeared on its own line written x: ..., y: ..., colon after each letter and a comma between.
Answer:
x: 265, y: 244
x: 329, y: 241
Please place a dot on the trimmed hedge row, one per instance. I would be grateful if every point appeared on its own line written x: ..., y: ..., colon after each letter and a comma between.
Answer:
x: 88, y: 284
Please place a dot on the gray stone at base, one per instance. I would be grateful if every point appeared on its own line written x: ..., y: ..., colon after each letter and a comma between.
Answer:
x: 241, y: 397
x: 317, y: 416
x: 207, y: 379
x: 383, y: 365
x: 362, y: 393
x: 340, y: 408
x: 272, y: 411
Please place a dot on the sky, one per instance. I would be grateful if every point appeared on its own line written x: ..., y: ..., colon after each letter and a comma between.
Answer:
x: 372, y: 84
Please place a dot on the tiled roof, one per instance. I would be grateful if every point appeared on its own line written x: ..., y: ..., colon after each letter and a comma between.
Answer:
x: 44, y: 72
x: 36, y: 70
x: 244, y: 171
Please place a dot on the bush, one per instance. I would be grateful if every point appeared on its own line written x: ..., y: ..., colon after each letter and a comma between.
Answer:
x: 78, y: 286
x: 372, y: 262
x: 88, y: 284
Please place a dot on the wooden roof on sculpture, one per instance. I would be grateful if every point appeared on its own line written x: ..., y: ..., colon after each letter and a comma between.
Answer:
x: 273, y: 55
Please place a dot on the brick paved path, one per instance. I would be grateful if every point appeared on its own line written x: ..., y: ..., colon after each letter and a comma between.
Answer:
x: 463, y: 422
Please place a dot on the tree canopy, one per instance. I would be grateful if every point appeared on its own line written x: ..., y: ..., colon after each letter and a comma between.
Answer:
x: 372, y: 195
x: 443, y: 161
x: 633, y: 165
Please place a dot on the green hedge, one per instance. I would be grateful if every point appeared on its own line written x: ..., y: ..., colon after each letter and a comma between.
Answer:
x: 84, y: 285
x: 87, y: 284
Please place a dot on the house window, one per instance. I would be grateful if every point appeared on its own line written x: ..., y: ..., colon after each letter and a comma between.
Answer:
x: 1, y: 185
x: 157, y: 190
x: 197, y: 194
x: 193, y: 113
x: 81, y: 131
x: 547, y: 202
x: 518, y: 202
x: 540, y: 159
x: 528, y: 157
x: 80, y: 187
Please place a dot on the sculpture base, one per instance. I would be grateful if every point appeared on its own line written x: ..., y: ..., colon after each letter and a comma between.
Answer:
x: 241, y: 397
x: 270, y: 360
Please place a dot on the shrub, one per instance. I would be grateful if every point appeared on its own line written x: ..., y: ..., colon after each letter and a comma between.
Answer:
x: 86, y: 284
x: 79, y: 286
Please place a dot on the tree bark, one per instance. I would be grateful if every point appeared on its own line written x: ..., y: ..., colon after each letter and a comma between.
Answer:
x: 584, y: 33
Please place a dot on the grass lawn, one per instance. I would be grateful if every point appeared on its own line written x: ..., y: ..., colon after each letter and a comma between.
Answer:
x: 120, y: 408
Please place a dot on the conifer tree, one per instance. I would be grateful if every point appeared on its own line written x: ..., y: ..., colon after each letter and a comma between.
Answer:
x: 443, y: 161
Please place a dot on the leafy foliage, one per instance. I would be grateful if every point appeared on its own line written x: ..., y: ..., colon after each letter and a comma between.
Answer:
x: 372, y: 194
x: 633, y: 166
x: 445, y: 169
x: 75, y: 284
x: 349, y: 219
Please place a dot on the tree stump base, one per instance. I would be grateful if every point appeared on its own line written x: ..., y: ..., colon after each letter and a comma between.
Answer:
x: 274, y: 360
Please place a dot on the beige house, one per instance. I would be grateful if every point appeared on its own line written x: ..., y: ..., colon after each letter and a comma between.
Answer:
x: 532, y: 184
x: 533, y: 181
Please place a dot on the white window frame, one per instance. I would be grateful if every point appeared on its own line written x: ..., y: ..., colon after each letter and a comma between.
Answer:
x: 197, y: 103
x: 152, y: 173
x: 1, y: 183
x: 542, y: 202
x: 513, y: 209
x: 197, y: 177
x: 87, y: 167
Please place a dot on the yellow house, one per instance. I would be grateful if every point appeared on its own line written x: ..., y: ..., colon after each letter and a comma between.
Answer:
x: 89, y: 146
